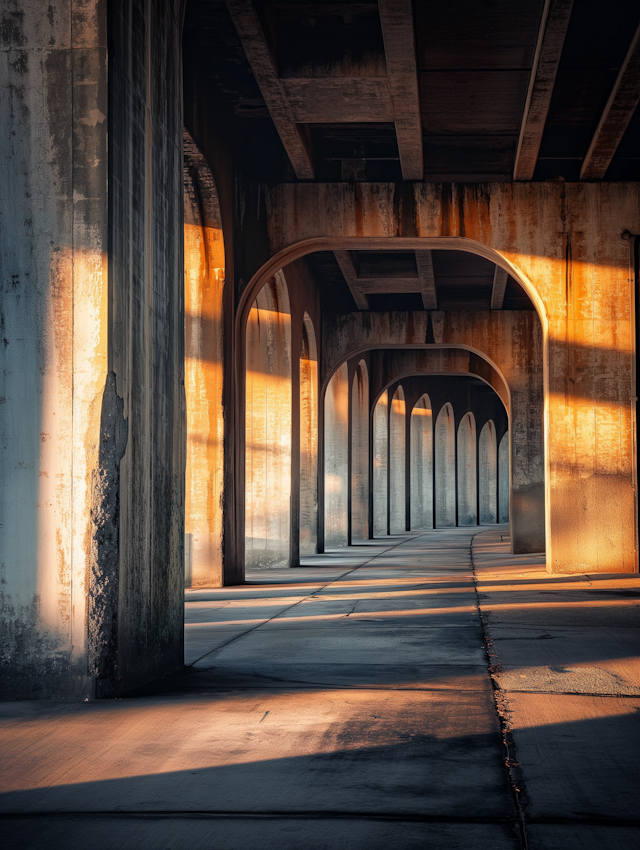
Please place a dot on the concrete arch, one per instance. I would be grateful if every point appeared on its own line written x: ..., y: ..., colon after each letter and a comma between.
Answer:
x: 268, y: 428
x: 488, y: 474
x: 308, y: 528
x: 503, y: 479
x: 466, y: 471
x: 445, y: 468
x: 360, y: 453
x: 397, y: 464
x: 421, y: 473
x: 336, y: 459
x: 381, y: 466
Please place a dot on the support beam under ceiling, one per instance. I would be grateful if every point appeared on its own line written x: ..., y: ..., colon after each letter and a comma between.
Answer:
x: 424, y: 261
x: 396, y: 17
x: 348, y: 269
x: 553, y: 29
x: 254, y: 42
x: 500, y: 278
x: 621, y: 105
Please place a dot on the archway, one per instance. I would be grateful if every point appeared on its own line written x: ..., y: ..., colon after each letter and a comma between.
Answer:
x: 360, y: 453
x: 422, y: 464
x: 488, y: 474
x: 445, y: 477
x: 336, y: 459
x: 308, y: 439
x: 397, y: 464
x: 467, y: 478
x: 380, y: 466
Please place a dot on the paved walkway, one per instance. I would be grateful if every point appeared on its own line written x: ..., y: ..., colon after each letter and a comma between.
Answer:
x: 365, y: 700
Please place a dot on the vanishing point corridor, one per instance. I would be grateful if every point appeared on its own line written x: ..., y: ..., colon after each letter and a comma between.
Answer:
x: 395, y: 694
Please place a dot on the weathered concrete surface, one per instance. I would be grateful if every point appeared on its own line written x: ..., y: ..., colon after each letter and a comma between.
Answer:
x: 565, y: 655
x: 336, y: 459
x: 359, y: 492
x: 561, y: 242
x: 92, y: 413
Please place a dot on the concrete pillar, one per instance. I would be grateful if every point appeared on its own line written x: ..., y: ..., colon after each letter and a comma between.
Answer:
x: 380, y: 466
x: 445, y: 462
x: 360, y: 454
x: 268, y: 428
x: 336, y: 459
x: 467, y: 477
x: 204, y: 277
x: 308, y: 439
x: 421, y: 508
x: 488, y: 474
x: 503, y: 479
x: 397, y: 464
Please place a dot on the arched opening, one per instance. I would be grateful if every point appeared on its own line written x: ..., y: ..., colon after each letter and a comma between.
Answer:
x: 488, y: 474
x: 467, y: 477
x: 445, y: 454
x: 422, y: 464
x: 308, y: 439
x: 268, y: 428
x: 397, y: 464
x: 336, y: 459
x: 360, y: 454
x: 380, y: 466
x: 503, y: 479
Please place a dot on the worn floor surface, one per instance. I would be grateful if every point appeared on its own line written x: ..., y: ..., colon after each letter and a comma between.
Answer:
x: 362, y: 701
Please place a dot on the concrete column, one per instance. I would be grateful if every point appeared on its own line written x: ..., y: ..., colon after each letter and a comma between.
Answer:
x: 488, y: 474
x: 268, y: 428
x: 336, y: 459
x: 445, y: 477
x: 503, y: 479
x: 308, y: 439
x: 380, y: 466
x: 397, y: 465
x: 421, y: 508
x: 360, y: 454
x: 467, y: 478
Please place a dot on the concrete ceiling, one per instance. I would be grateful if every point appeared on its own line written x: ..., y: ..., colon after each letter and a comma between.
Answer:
x: 467, y: 91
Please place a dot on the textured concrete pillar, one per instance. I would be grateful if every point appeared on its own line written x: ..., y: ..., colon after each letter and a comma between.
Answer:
x: 380, y: 466
x: 268, y: 428
x: 336, y: 459
x: 467, y: 478
x: 488, y: 474
x: 421, y: 509
x: 308, y: 439
x: 397, y: 464
x: 360, y: 454
x: 445, y: 462
x: 204, y: 275
x: 503, y: 479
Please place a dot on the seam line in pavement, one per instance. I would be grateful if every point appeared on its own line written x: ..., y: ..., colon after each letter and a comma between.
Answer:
x: 304, y: 598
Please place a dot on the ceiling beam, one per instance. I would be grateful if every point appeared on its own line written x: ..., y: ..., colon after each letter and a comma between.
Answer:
x: 396, y: 17
x: 337, y: 100
x: 348, y: 269
x: 254, y: 42
x: 424, y: 262
x: 621, y: 105
x: 551, y: 35
x: 500, y: 278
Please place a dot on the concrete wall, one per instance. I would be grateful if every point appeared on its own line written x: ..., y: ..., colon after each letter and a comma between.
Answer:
x: 380, y: 493
x: 397, y: 464
x: 488, y: 475
x: 308, y: 532
x: 421, y: 464
x: 466, y: 470
x: 503, y: 479
x: 360, y: 453
x: 445, y: 468
x: 92, y: 367
x: 336, y: 459
x: 268, y: 428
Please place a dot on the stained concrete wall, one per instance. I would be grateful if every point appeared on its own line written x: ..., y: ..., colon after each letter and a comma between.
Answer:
x: 503, y: 479
x: 488, y: 474
x: 360, y: 453
x: 308, y: 531
x: 445, y: 468
x: 336, y: 459
x: 421, y: 464
x: 92, y: 367
x: 397, y: 464
x: 467, y: 471
x: 268, y: 428
x: 204, y: 274
x: 380, y: 493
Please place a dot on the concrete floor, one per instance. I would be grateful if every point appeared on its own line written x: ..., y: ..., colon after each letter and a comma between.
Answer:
x: 351, y: 702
